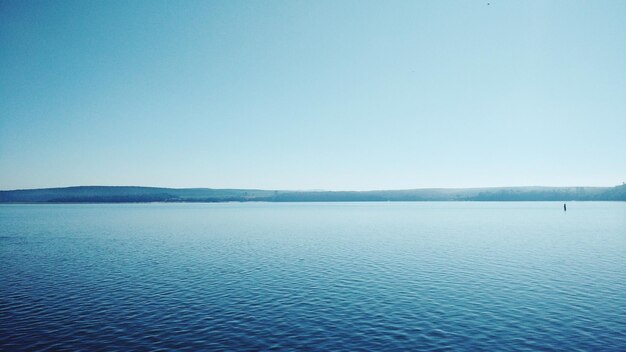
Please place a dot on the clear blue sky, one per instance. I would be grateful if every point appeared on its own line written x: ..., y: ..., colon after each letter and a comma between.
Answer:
x: 312, y: 94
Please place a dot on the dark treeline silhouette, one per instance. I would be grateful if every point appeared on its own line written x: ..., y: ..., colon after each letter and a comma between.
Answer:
x: 124, y: 194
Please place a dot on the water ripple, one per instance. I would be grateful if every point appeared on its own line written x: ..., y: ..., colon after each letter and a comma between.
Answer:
x: 405, y: 276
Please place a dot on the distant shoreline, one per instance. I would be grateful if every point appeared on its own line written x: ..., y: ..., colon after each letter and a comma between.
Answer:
x: 309, y: 202
x: 132, y: 194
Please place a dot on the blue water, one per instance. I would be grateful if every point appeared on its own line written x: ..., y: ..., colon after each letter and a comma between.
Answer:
x: 317, y: 276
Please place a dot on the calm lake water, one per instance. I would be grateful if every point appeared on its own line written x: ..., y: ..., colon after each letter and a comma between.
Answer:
x: 314, y: 276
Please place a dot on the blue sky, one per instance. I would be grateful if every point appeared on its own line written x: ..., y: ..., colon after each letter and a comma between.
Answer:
x: 312, y: 94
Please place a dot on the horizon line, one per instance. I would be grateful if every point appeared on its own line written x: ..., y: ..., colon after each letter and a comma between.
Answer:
x: 311, y: 190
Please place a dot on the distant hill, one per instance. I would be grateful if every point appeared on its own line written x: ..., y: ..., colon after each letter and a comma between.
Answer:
x: 127, y: 194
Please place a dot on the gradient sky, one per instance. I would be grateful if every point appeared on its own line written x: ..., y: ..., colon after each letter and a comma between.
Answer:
x: 312, y: 94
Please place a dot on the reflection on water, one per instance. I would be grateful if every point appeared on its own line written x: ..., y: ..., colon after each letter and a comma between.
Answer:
x: 318, y: 276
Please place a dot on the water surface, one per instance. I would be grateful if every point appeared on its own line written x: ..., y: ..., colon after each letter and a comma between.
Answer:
x: 314, y: 276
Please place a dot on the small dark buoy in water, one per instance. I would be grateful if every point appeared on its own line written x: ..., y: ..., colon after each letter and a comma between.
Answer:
x: 564, y: 207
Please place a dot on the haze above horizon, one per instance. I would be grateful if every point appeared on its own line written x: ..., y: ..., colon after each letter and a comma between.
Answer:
x: 334, y: 95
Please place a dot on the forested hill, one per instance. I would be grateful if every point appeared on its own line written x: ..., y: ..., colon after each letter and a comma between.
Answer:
x: 123, y: 194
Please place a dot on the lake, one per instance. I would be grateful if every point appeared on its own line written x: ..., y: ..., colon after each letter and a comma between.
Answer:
x: 314, y: 276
